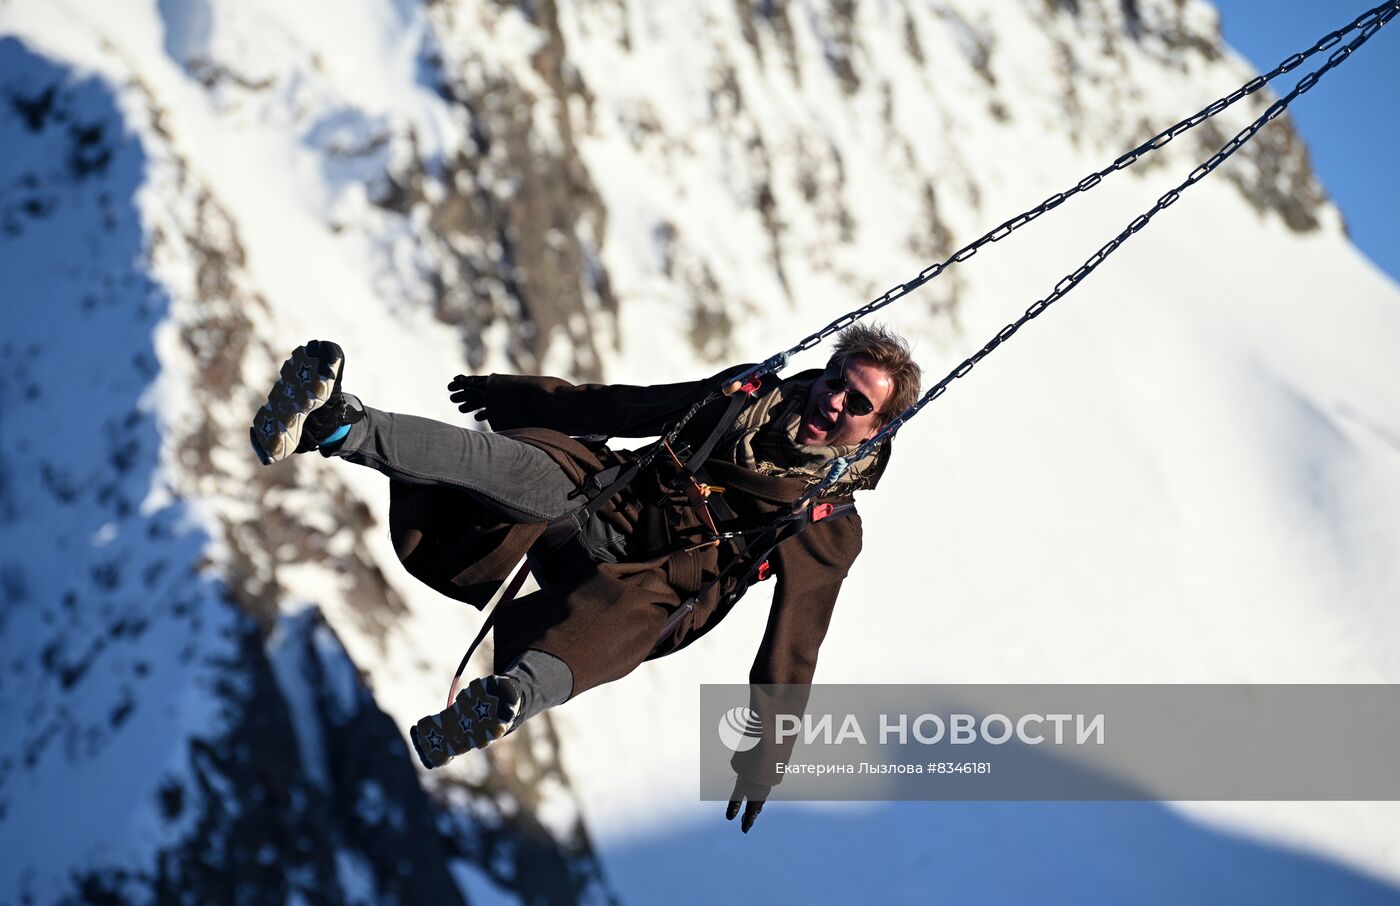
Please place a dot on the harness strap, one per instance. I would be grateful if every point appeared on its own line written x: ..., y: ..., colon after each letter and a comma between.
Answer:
x: 757, y: 564
x: 609, y: 482
x: 503, y: 598
x: 731, y: 415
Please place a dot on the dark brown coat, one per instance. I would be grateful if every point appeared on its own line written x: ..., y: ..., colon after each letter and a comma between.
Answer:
x: 604, y: 624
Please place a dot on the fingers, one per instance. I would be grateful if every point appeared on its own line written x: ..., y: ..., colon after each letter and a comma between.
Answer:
x: 755, y: 793
x: 750, y: 813
x: 468, y: 392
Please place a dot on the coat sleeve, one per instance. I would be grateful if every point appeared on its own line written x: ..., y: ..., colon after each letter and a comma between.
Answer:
x: 810, y: 569
x: 619, y: 410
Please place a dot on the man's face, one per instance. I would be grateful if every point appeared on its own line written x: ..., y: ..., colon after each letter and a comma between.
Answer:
x: 829, y: 418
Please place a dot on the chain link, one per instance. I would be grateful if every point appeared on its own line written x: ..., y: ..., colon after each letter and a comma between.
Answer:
x: 1369, y: 24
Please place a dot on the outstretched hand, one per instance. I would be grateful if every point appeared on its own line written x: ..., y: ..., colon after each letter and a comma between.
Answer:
x: 469, y: 393
x: 756, y: 793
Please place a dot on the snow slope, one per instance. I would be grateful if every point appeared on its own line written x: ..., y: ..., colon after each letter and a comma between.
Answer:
x: 1187, y: 471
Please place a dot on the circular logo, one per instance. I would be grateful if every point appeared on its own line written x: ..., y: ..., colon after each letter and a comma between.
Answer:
x: 740, y: 729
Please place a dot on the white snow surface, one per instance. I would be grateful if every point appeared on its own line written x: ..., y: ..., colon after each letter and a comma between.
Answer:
x: 1187, y: 471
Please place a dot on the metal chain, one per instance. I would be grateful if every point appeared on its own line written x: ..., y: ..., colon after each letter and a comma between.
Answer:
x: 1373, y: 22
x: 1122, y: 162
x: 1161, y: 139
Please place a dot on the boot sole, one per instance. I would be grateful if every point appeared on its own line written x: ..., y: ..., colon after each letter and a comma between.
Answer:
x: 473, y: 722
x: 307, y: 381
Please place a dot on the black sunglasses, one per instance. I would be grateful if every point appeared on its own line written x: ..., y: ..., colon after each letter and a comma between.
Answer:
x: 856, y: 402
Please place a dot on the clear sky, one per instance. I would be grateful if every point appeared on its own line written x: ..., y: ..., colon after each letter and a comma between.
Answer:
x: 1351, y: 120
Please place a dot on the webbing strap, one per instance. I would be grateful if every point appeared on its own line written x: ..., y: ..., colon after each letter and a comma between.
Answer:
x: 625, y: 475
x: 772, y: 537
x: 702, y: 453
x: 503, y: 598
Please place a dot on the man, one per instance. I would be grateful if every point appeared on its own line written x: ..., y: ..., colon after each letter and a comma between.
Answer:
x: 648, y: 572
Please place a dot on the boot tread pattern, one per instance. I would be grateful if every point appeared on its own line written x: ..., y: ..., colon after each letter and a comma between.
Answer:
x: 307, y: 381
x: 480, y: 716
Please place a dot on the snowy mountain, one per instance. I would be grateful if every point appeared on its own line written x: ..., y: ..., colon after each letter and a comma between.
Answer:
x: 1188, y: 471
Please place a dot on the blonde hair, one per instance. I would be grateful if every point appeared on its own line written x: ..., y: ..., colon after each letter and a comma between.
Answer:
x: 889, y: 352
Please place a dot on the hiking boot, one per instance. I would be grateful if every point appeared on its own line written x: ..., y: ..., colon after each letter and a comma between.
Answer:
x: 483, y: 713
x: 305, y: 407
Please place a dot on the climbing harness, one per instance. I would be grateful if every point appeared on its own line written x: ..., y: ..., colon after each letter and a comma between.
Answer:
x: 601, y: 487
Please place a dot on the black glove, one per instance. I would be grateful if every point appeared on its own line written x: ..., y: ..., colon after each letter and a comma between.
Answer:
x: 469, y: 393
x: 756, y: 793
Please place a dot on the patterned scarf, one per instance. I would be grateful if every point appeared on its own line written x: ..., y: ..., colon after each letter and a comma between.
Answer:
x: 764, y: 438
